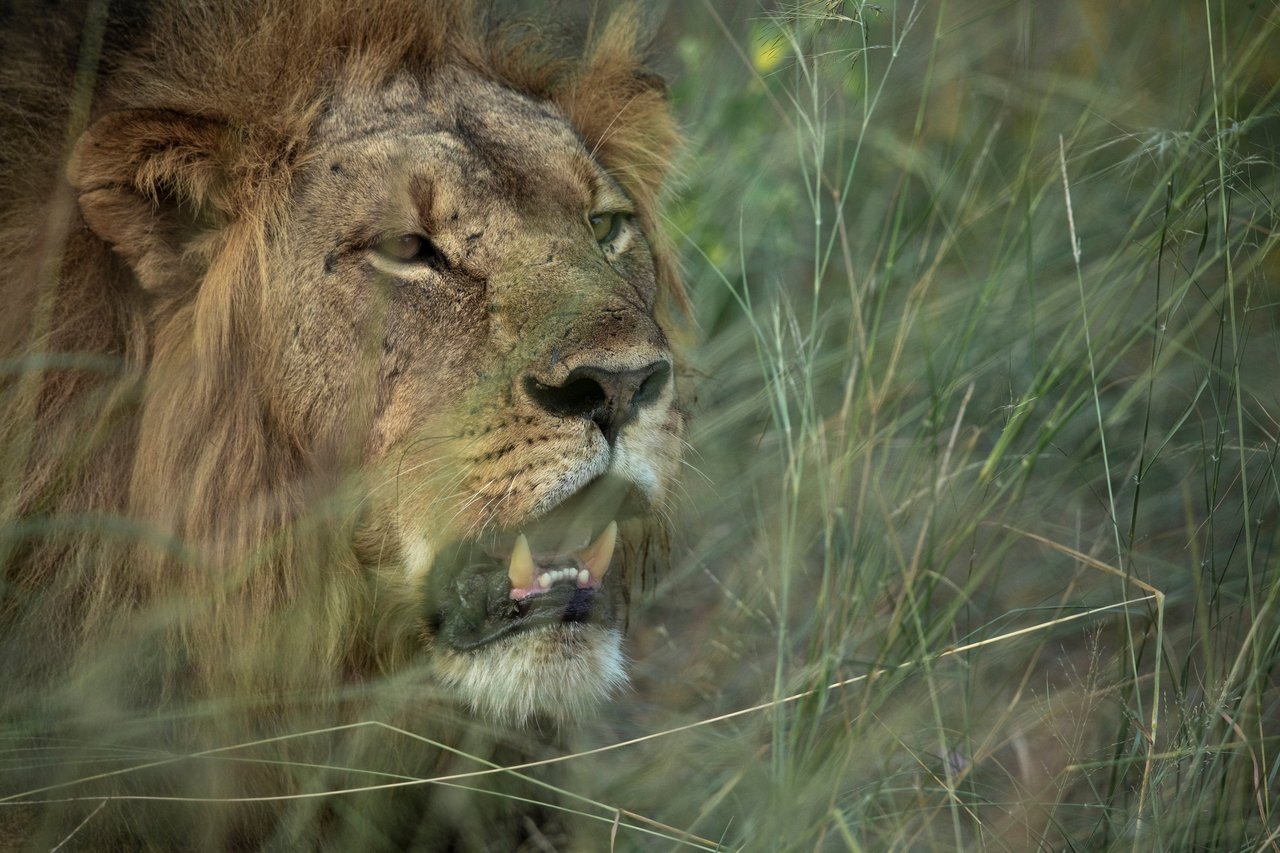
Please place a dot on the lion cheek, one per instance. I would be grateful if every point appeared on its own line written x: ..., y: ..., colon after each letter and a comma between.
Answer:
x: 419, y: 555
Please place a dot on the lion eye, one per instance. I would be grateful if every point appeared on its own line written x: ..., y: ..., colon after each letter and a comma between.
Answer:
x: 410, y: 249
x: 605, y: 226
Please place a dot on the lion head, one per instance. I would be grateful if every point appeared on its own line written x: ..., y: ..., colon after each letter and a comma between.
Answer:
x: 397, y: 380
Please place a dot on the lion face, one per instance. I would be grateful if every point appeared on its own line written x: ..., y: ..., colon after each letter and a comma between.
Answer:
x: 396, y: 304
x: 470, y: 299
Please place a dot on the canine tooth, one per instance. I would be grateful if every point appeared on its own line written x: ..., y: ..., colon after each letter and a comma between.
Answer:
x: 599, y: 554
x: 584, y: 577
x: 521, y: 569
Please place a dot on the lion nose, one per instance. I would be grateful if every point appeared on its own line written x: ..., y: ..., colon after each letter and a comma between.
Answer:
x: 608, y: 398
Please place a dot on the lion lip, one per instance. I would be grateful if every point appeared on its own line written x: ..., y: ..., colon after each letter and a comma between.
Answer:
x: 560, y: 606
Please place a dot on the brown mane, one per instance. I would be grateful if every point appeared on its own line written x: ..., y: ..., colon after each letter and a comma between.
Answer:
x: 152, y: 481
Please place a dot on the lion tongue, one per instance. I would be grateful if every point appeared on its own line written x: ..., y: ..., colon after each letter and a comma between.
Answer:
x: 526, y: 576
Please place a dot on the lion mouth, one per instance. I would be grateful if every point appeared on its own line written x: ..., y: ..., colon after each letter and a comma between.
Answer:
x: 585, y: 568
x: 552, y: 572
x: 495, y: 590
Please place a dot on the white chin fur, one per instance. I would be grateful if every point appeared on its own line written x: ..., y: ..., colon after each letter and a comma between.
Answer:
x: 562, y: 673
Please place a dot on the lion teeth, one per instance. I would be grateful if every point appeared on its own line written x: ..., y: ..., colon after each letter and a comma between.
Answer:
x: 592, y: 563
x: 548, y: 577
x: 597, y: 556
x: 521, y: 569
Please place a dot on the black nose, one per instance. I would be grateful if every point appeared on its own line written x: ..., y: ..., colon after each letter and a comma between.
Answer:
x: 608, y: 398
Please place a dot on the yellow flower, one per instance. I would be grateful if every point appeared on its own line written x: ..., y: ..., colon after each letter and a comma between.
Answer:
x: 769, y: 48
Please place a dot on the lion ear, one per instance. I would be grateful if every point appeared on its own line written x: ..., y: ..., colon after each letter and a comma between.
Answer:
x: 147, y: 182
x: 620, y: 107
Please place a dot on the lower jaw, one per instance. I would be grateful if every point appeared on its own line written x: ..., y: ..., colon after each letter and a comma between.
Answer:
x: 559, y: 672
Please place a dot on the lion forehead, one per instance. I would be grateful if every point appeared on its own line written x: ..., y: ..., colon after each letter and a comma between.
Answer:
x: 456, y: 112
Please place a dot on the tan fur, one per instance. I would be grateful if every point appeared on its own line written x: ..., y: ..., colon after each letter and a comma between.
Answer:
x: 239, y: 475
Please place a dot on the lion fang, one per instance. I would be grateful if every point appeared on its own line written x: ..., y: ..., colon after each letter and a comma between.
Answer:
x: 597, y: 556
x: 521, y: 569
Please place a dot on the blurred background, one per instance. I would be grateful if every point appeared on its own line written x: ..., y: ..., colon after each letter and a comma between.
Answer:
x: 985, y: 431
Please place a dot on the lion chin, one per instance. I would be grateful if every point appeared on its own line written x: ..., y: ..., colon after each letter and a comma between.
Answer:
x: 558, y: 673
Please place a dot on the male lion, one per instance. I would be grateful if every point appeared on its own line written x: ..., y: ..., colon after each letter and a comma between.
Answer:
x: 340, y: 355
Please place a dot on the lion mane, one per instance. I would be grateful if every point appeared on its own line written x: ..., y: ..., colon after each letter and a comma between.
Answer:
x: 176, y: 540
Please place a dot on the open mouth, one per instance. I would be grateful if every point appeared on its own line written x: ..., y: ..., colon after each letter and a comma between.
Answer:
x: 553, y: 571
x: 585, y: 568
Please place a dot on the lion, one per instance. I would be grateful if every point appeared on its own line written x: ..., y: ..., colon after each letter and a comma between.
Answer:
x: 344, y: 350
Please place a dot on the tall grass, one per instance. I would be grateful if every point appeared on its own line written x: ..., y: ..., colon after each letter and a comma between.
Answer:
x: 979, y: 543
x: 987, y: 434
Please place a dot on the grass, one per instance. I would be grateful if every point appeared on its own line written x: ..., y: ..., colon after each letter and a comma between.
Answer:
x: 979, y: 545
x: 987, y: 435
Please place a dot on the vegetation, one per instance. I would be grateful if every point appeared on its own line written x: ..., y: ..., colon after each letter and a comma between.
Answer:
x: 979, y: 547
x: 983, y: 499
